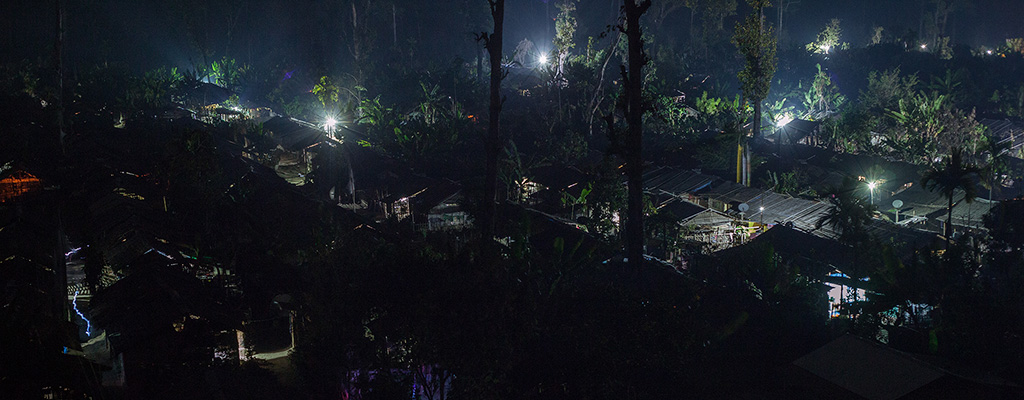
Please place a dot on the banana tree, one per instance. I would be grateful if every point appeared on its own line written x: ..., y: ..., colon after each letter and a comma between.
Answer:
x: 568, y: 200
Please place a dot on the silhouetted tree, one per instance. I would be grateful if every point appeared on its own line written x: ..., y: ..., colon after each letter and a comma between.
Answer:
x: 495, y: 139
x: 756, y: 42
x: 955, y: 175
x: 848, y: 213
x: 634, y: 118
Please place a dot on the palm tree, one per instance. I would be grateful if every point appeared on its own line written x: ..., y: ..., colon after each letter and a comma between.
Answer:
x: 956, y: 175
x: 848, y: 213
x: 998, y: 163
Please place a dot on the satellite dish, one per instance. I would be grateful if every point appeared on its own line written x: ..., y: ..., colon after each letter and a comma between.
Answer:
x: 743, y: 207
x: 897, y: 203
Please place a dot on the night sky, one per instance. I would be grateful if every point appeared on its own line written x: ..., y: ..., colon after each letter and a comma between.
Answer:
x: 152, y: 33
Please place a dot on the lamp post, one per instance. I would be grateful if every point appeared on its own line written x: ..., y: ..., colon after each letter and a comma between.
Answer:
x: 871, y: 188
x: 762, y: 216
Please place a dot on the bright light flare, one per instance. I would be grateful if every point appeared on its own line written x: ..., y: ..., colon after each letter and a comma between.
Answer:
x: 826, y: 48
x: 543, y: 59
x: 330, y: 126
x: 783, y: 121
x: 872, y: 185
x: 924, y: 46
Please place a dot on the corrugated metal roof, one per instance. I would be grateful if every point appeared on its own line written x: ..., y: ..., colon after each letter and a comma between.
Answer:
x: 803, y: 214
x: 920, y: 202
x: 680, y: 209
x: 675, y: 181
x: 707, y: 218
x: 783, y: 209
x: 778, y: 208
x: 798, y: 129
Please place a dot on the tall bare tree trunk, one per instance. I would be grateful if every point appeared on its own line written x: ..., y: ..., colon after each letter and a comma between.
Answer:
x: 355, y: 32
x: 757, y: 101
x: 781, y: 7
x: 494, y: 136
x: 479, y: 66
x: 60, y: 261
x: 357, y: 48
x: 634, y: 134
x: 58, y: 58
x: 739, y: 159
x: 949, y: 220
x: 595, y: 102
x: 689, y: 36
x: 746, y: 165
x: 756, y: 126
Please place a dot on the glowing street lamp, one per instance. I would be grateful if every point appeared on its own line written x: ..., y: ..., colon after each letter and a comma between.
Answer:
x: 329, y: 125
x: 780, y: 122
x: 783, y: 121
x: 924, y: 46
x: 871, y: 187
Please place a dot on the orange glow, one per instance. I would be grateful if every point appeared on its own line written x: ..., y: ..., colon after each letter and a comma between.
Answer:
x: 17, y: 184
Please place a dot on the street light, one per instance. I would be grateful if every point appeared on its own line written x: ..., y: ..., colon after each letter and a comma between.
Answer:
x: 762, y: 215
x: 871, y: 187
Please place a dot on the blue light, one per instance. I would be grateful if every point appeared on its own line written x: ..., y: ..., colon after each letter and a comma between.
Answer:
x: 72, y: 252
x: 88, y: 325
